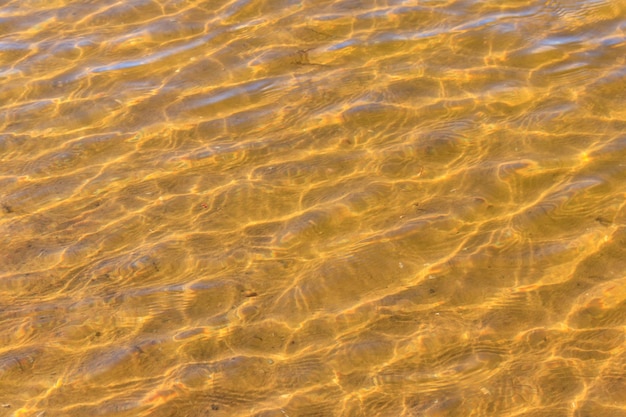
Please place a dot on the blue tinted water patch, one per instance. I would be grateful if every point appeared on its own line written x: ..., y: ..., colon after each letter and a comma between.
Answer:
x: 405, y: 10
x: 69, y: 45
x: 344, y: 44
x: 560, y: 40
x: 329, y: 17
x: 255, y: 86
x: 408, y: 36
x: 477, y: 23
x: 248, y: 24
x: 496, y: 17
x: 232, y: 92
x: 249, y: 116
x: 375, y: 14
x: 506, y: 27
x: 614, y: 40
x: 14, y: 46
x: 34, y: 106
x: 234, y: 8
x: 155, y: 57
x: 121, y: 65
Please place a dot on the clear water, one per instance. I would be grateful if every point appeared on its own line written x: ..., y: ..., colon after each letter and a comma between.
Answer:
x: 312, y: 208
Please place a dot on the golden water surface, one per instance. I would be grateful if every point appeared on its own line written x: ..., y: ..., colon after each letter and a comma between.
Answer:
x: 281, y: 208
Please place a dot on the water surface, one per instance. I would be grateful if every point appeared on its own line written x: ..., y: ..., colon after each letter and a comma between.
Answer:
x: 312, y: 208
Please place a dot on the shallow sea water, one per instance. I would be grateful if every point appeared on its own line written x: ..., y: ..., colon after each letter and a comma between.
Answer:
x: 313, y: 208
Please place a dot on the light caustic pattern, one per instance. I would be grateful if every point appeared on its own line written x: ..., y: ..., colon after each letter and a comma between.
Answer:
x: 312, y: 208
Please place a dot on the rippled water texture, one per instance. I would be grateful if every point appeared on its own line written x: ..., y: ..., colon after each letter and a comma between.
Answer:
x: 313, y: 208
